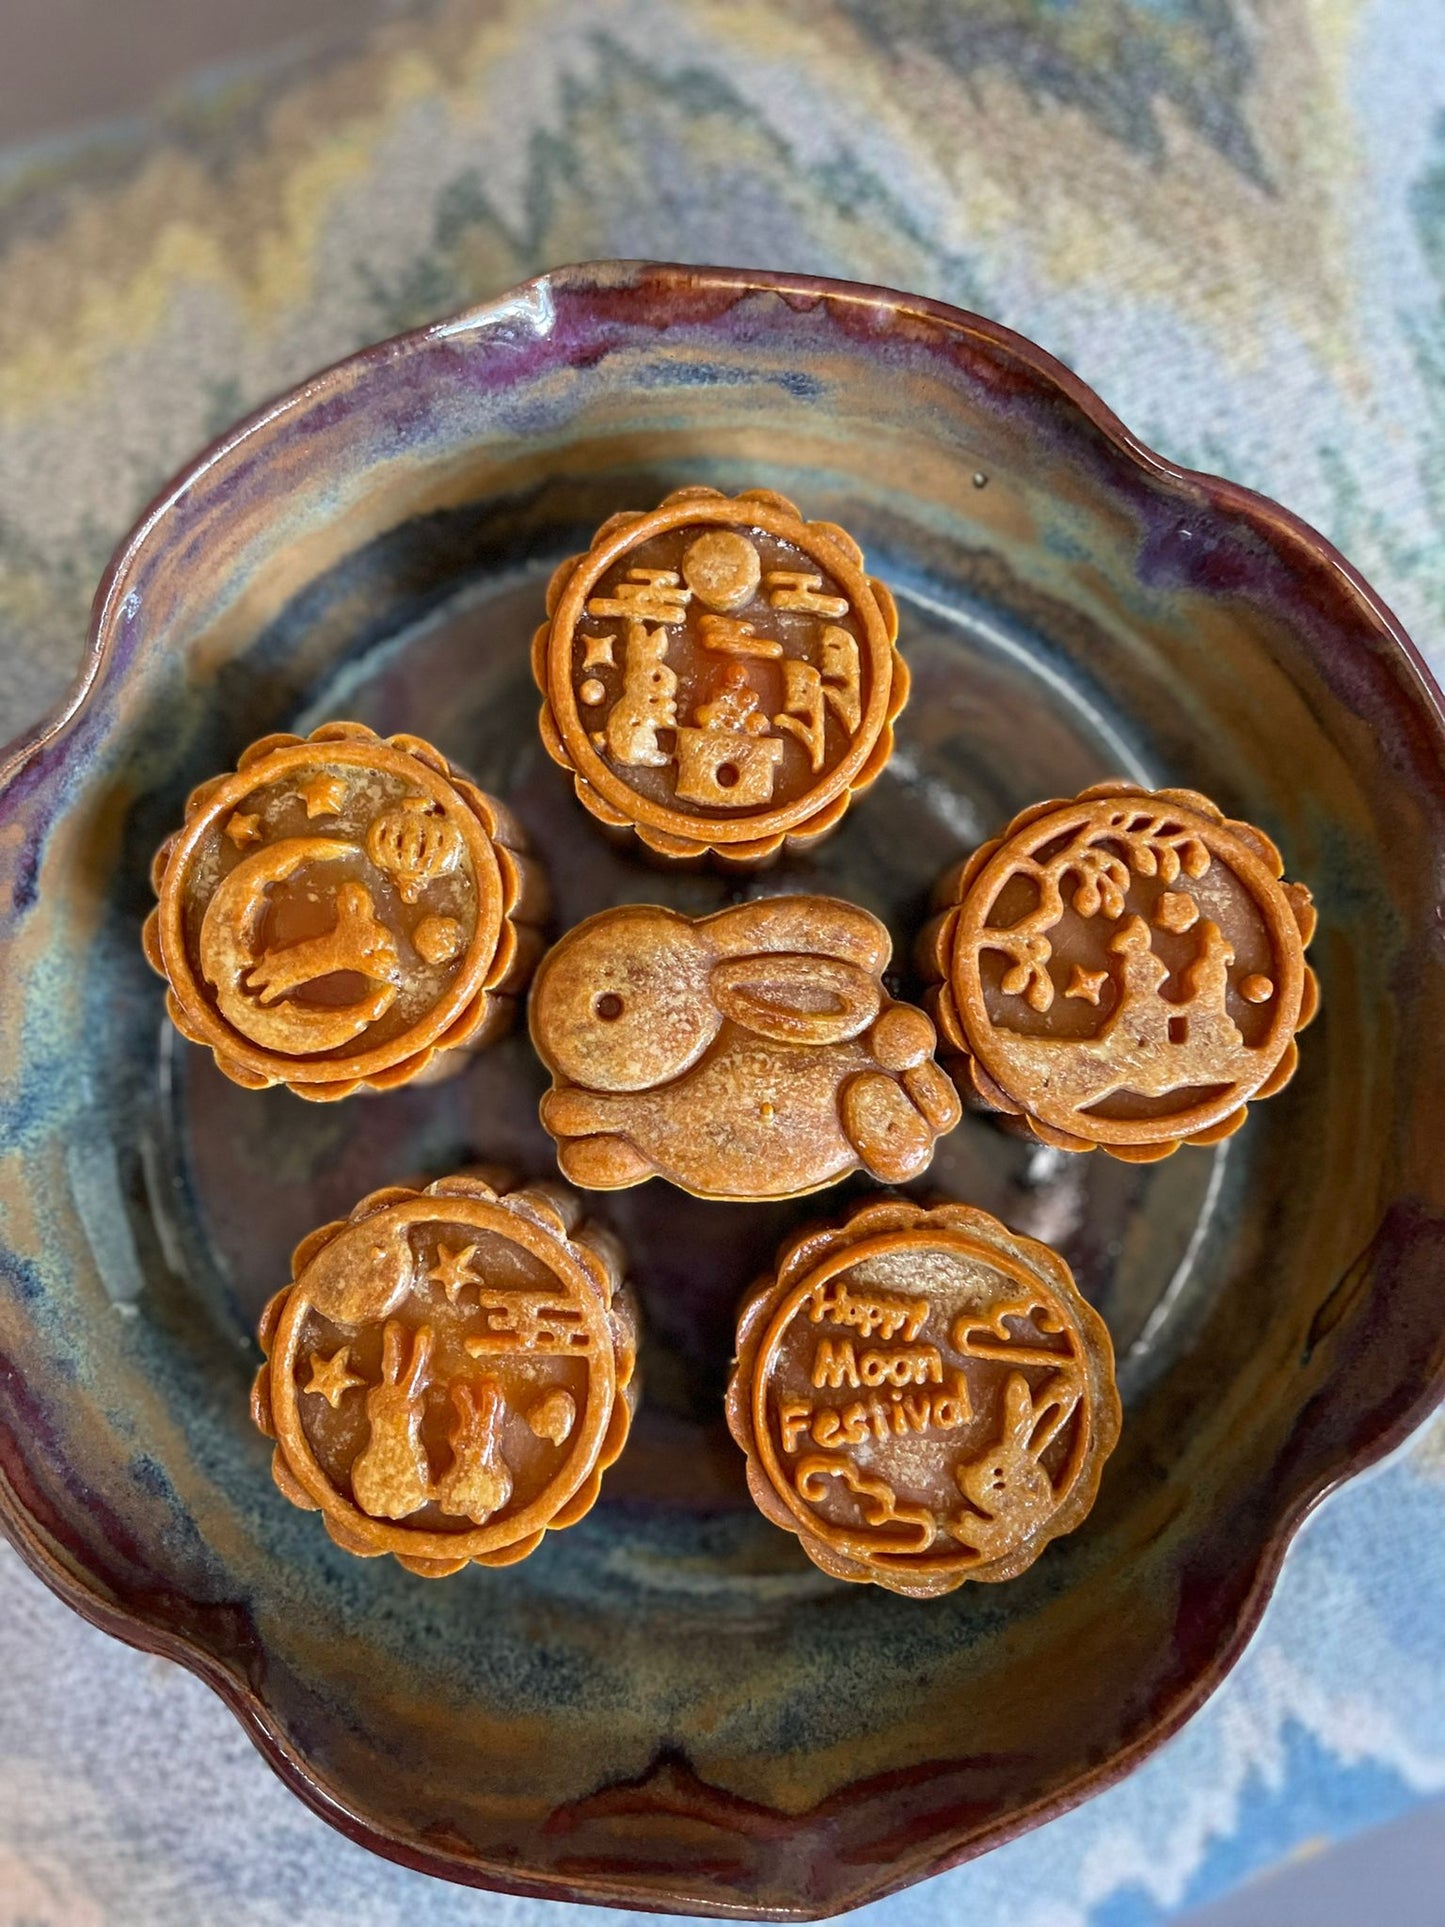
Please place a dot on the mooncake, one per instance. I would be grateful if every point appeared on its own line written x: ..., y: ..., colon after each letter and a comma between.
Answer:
x: 341, y: 910
x: 719, y: 674
x: 450, y: 1372
x: 1126, y: 971
x: 750, y: 1054
x: 923, y: 1397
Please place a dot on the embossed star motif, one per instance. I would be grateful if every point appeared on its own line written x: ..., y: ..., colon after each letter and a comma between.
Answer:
x: 243, y: 829
x: 452, y: 1270
x: 322, y: 795
x: 332, y: 1378
x: 1087, y: 985
x: 598, y: 652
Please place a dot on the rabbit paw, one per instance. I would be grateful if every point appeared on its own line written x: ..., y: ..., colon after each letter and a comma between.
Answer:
x: 603, y: 1163
x: 575, y: 1113
x: 885, y: 1127
x: 934, y: 1095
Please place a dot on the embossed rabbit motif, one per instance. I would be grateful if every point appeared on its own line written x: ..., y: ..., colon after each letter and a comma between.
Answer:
x: 1007, y: 1484
x: 391, y: 1477
x: 357, y: 942
x: 753, y: 1053
x: 479, y: 1480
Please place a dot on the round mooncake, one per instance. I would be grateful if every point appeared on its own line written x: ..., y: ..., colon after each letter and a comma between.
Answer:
x: 1124, y: 971
x: 340, y: 910
x: 449, y: 1373
x: 923, y: 1397
x: 719, y: 674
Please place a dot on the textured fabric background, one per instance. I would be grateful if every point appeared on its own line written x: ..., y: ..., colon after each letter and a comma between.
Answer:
x: 1228, y: 215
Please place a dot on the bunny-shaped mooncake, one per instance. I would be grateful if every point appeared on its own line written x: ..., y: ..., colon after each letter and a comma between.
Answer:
x: 749, y: 1054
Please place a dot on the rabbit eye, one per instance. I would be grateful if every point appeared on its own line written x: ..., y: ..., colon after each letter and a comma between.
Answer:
x: 608, y: 1006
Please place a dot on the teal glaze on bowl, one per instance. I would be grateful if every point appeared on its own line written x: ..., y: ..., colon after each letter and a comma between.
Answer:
x: 667, y: 1706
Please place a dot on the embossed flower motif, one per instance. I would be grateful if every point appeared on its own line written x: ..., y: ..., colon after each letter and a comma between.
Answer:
x: 449, y: 1426
x: 752, y: 776
x: 1169, y: 1063
x: 340, y: 910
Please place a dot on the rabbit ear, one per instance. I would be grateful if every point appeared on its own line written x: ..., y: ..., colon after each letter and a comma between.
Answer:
x: 796, y: 1000
x: 420, y: 1359
x: 1019, y: 1412
x: 391, y: 1338
x: 1052, y: 1415
x: 491, y: 1403
x: 1033, y: 1424
x: 477, y: 1398
x: 821, y: 925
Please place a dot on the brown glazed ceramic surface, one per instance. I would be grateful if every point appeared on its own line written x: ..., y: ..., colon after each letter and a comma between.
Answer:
x: 668, y: 1705
x: 341, y: 911
x: 751, y: 1054
x: 1125, y: 971
x: 450, y: 1373
x: 719, y: 674
x: 923, y: 1398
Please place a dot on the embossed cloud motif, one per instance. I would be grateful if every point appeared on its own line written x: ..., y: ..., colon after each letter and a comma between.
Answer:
x: 1126, y: 970
x: 922, y: 1397
x: 753, y: 1053
x: 339, y: 910
x: 449, y: 1373
x: 719, y: 674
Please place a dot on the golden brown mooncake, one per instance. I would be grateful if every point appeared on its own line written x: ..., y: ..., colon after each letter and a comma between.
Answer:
x: 341, y: 910
x: 750, y: 1054
x: 450, y: 1372
x: 923, y: 1397
x: 719, y: 674
x: 1126, y: 970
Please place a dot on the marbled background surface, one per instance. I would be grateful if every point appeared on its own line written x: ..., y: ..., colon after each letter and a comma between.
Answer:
x: 1228, y: 215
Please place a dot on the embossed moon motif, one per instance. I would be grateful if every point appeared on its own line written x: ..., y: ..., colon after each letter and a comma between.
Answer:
x: 722, y: 569
x: 553, y: 1416
x: 227, y: 954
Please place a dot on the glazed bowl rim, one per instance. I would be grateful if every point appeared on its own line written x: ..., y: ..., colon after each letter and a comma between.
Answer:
x: 641, y: 281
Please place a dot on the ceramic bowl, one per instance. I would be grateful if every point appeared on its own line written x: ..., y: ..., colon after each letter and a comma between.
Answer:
x: 668, y: 1706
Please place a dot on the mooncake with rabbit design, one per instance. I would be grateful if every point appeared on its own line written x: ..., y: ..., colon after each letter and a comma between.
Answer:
x: 343, y: 914
x: 923, y: 1397
x: 1122, y: 971
x: 750, y: 1054
x: 719, y: 675
x: 450, y: 1372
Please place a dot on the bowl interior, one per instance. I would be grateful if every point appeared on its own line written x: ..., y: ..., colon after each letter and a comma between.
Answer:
x: 667, y: 1704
